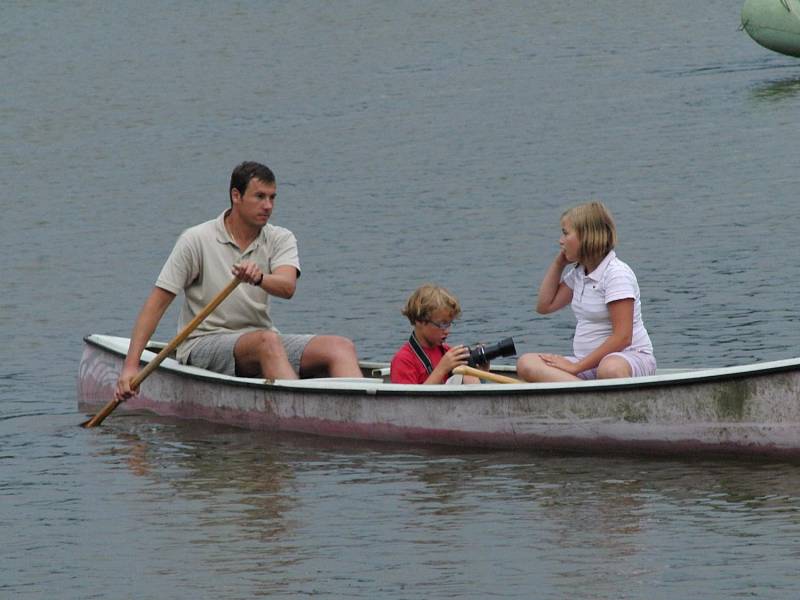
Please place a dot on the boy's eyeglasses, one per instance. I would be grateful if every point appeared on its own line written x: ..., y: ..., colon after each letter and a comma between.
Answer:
x: 442, y: 325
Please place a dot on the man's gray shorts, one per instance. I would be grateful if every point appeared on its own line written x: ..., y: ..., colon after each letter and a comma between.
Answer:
x: 215, y: 351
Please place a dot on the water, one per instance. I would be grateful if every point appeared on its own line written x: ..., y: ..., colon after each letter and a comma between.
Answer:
x: 414, y: 141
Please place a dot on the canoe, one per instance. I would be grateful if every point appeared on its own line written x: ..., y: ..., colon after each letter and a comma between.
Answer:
x: 775, y: 24
x: 751, y: 410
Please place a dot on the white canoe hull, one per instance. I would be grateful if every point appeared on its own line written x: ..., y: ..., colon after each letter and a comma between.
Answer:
x: 750, y: 410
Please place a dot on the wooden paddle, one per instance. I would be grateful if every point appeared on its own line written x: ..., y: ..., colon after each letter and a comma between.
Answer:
x: 151, y: 366
x: 465, y: 370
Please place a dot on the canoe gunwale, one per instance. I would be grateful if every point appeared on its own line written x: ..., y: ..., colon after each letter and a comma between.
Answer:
x: 379, y: 388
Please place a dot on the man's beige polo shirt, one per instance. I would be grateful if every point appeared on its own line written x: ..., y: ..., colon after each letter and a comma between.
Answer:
x: 200, y: 266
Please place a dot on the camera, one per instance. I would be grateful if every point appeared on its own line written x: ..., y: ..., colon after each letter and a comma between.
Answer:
x: 482, y: 353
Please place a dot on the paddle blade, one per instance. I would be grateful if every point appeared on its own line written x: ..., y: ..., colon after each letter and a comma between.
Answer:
x: 100, y: 417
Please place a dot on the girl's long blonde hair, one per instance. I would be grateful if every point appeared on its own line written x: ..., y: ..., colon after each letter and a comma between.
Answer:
x: 596, y: 231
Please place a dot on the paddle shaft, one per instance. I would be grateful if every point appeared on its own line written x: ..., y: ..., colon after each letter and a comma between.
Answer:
x: 465, y: 370
x: 168, y: 349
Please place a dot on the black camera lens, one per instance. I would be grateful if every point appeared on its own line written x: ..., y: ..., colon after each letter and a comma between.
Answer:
x: 483, y: 353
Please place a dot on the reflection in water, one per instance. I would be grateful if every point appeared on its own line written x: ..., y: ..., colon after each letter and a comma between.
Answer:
x: 216, y: 466
x: 781, y: 89
x: 620, y: 526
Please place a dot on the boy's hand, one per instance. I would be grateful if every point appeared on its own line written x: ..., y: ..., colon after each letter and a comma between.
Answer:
x: 455, y: 357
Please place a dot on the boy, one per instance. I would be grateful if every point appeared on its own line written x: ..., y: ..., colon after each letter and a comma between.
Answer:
x: 426, y: 358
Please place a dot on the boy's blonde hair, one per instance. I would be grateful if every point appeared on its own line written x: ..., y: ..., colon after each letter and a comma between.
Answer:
x: 426, y: 300
x: 596, y: 231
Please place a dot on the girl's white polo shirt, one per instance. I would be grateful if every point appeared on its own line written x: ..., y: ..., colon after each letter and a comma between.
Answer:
x: 611, y: 280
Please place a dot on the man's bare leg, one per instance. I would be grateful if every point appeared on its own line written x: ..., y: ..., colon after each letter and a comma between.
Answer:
x: 330, y: 355
x: 261, y: 354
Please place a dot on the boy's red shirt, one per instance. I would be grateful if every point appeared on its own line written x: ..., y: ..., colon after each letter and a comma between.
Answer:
x: 407, y: 368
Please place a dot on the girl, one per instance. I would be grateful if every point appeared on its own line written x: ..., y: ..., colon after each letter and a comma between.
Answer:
x: 610, y: 338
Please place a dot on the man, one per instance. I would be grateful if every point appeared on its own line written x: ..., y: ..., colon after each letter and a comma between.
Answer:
x: 238, y: 338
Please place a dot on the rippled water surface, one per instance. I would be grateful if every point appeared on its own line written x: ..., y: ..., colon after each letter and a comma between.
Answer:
x: 412, y: 141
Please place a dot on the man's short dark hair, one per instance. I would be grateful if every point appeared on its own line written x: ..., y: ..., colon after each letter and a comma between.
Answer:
x: 244, y: 172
